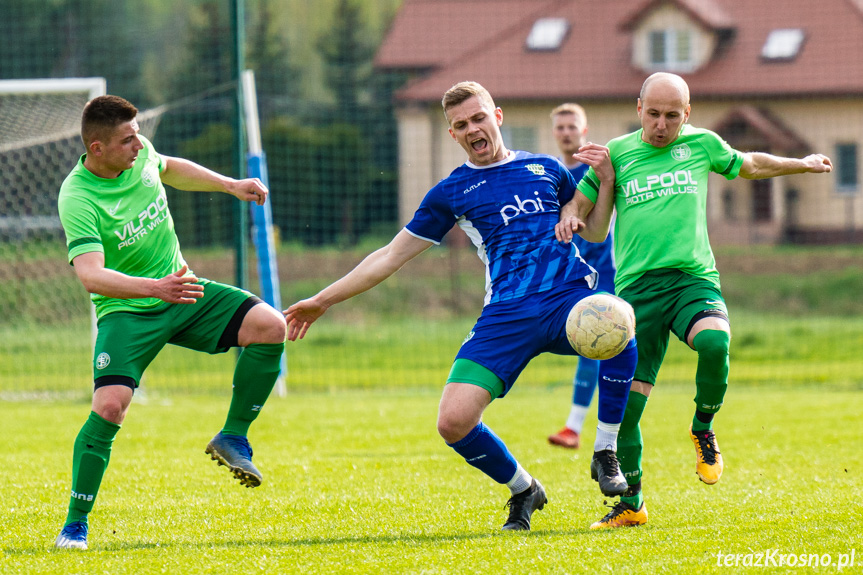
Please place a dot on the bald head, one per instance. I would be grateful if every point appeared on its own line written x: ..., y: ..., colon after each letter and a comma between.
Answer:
x: 668, y: 82
x: 663, y: 107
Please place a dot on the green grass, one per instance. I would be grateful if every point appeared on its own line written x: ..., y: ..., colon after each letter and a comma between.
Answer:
x: 361, y: 483
x: 345, y: 350
x: 796, y: 317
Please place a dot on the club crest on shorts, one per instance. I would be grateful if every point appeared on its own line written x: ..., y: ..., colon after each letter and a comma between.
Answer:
x: 103, y: 360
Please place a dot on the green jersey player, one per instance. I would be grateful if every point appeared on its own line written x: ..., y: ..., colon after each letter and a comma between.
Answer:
x: 665, y: 266
x: 122, y: 243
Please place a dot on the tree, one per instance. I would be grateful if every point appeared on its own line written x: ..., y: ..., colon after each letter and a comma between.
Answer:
x: 268, y: 55
x: 206, y: 56
x: 347, y: 55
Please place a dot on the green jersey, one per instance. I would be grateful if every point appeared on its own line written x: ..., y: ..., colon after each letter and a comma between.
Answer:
x: 660, y: 195
x: 127, y: 219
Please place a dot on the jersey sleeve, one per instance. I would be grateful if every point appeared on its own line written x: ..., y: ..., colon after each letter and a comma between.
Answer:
x: 589, y: 185
x: 566, y: 187
x: 724, y: 160
x: 434, y: 217
x: 80, y: 224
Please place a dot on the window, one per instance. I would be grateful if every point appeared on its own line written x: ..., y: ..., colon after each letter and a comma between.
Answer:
x: 728, y: 204
x: 547, y: 34
x: 847, y: 178
x: 782, y: 44
x: 657, y: 47
x: 762, y: 201
x: 519, y: 137
x: 671, y: 49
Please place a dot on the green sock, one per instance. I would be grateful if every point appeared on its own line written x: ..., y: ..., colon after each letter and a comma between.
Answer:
x: 635, y: 501
x: 711, y: 376
x: 89, y: 461
x: 254, y: 377
x: 630, y: 444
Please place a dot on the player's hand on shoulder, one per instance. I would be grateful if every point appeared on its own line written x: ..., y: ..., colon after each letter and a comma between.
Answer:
x: 178, y: 287
x: 250, y: 190
x: 301, y: 316
x: 818, y: 163
x: 567, y: 227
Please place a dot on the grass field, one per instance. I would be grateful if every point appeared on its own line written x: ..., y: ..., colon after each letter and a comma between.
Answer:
x: 356, y: 478
x: 410, y: 354
x: 360, y: 483
x: 797, y: 317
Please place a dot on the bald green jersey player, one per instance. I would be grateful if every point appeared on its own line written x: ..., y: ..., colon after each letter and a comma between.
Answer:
x: 124, y: 249
x: 665, y: 266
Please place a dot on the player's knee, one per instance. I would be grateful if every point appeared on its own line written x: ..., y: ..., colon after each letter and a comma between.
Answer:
x: 112, y: 409
x: 451, y: 427
x: 111, y: 401
x: 275, y: 330
x: 265, y: 325
x: 712, y: 344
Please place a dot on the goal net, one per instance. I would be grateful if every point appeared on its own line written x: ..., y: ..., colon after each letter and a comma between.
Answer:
x: 46, y: 320
x: 39, y: 144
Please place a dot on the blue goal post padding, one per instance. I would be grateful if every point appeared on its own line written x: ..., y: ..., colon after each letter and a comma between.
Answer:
x: 264, y: 240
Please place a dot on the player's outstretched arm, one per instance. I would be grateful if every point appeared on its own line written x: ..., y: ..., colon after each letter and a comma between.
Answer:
x: 375, y: 268
x: 189, y: 176
x: 173, y: 288
x: 758, y: 165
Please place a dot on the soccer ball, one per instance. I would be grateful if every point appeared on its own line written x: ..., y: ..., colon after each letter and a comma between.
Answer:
x: 600, y: 326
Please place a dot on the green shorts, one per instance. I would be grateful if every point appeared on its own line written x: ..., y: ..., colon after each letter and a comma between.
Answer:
x: 127, y: 342
x: 467, y: 371
x: 668, y: 301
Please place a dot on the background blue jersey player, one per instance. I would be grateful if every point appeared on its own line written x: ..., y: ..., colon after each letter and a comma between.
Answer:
x: 508, y: 203
x: 569, y: 127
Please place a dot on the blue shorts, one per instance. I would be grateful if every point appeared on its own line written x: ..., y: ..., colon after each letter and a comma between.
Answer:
x: 509, y: 334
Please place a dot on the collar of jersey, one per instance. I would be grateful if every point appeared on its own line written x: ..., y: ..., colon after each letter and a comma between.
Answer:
x: 510, y: 157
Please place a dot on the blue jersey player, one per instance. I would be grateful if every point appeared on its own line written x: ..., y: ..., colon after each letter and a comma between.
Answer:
x: 508, y: 204
x: 569, y: 128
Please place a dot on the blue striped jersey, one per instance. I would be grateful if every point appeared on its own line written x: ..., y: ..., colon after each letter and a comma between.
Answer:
x: 508, y: 210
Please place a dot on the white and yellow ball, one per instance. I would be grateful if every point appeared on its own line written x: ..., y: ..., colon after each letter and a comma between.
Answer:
x: 599, y: 326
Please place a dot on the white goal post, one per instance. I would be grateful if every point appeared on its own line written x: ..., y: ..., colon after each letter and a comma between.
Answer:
x: 49, y: 109
x: 262, y: 216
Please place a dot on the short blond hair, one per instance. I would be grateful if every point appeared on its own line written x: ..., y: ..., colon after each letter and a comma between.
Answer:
x: 463, y: 91
x: 569, y: 108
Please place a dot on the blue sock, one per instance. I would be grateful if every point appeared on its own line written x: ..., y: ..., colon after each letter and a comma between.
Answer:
x: 484, y: 450
x: 586, y: 377
x: 615, y: 379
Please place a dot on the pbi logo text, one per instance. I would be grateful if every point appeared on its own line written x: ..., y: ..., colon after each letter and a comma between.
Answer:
x: 529, y: 206
x: 147, y: 220
x: 667, y: 184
